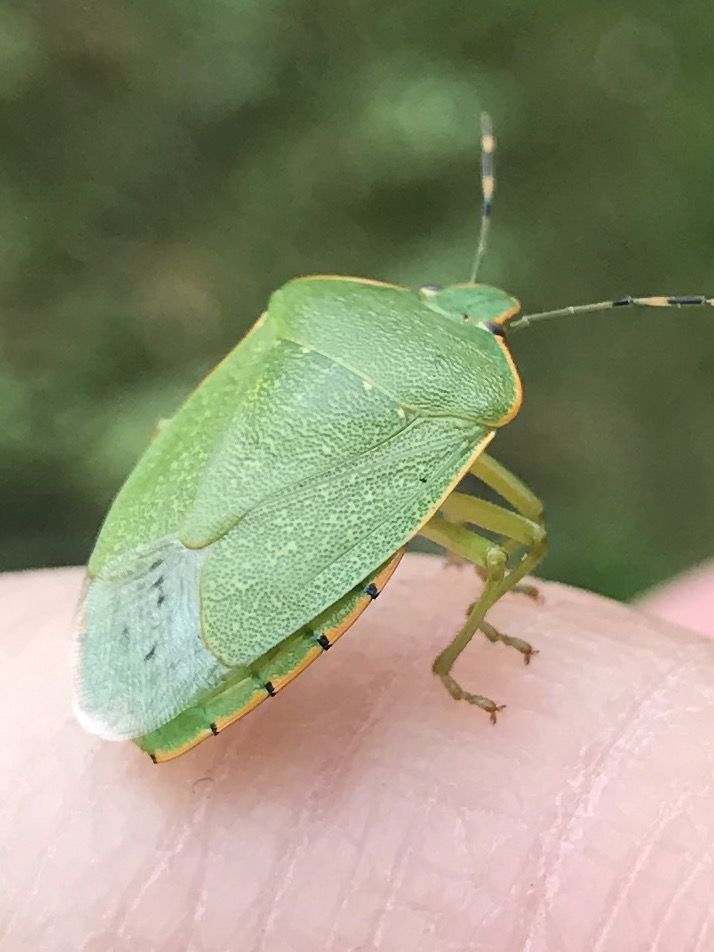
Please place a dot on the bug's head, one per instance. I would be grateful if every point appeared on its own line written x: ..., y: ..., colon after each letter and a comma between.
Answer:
x: 476, y: 304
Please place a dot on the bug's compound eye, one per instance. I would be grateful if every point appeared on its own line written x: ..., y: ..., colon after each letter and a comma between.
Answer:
x: 496, y: 329
x: 429, y: 290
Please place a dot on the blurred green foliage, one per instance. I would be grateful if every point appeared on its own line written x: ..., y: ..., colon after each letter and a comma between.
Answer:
x: 165, y: 165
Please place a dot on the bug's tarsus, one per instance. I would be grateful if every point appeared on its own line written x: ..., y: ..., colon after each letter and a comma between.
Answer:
x: 494, y: 635
x: 478, y: 700
x: 492, y: 712
x: 214, y: 728
x: 530, y: 591
x: 372, y: 591
x: 324, y: 642
x: 153, y: 758
x: 488, y: 184
x: 270, y: 688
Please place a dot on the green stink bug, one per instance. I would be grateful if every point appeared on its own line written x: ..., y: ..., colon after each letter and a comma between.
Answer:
x: 276, y: 504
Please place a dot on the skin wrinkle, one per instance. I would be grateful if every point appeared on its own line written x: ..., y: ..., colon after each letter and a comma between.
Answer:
x: 396, y: 873
x: 283, y: 876
x: 590, y: 793
x: 178, y: 842
x: 562, y: 836
x: 395, y: 880
x: 334, y: 938
x: 410, y: 858
x: 375, y: 715
x: 622, y: 889
x: 680, y: 892
x: 703, y: 940
x: 200, y: 910
x: 319, y: 792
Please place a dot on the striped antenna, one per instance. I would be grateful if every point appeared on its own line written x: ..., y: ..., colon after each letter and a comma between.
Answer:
x: 488, y: 182
x: 693, y: 300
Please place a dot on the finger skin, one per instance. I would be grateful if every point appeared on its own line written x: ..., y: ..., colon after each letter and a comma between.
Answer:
x: 363, y: 807
x: 687, y: 600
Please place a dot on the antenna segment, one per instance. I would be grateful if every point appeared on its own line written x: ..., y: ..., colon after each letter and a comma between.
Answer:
x: 488, y: 184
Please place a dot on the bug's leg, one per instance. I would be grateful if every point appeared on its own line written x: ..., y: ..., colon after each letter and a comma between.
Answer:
x: 527, y: 589
x: 514, y: 529
x: 510, y: 487
x: 520, y: 588
x: 514, y: 491
x: 481, y: 551
x: 454, y: 561
x: 494, y: 635
x: 493, y: 558
x: 493, y: 474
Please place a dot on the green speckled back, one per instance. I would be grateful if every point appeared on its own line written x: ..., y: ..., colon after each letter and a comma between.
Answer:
x: 311, y: 454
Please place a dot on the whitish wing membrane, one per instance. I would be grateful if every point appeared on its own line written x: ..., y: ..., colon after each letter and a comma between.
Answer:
x: 139, y: 659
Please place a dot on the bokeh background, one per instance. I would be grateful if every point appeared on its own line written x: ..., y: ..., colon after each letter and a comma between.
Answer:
x: 165, y: 165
